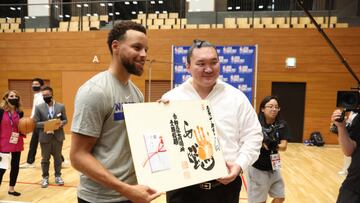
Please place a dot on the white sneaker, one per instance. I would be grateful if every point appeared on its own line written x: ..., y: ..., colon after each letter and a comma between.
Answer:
x: 59, y: 180
x: 45, y: 182
x: 27, y: 165
x: 65, y: 164
x: 342, y: 172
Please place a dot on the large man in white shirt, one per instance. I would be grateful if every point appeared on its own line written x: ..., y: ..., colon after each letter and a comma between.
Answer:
x: 236, y: 121
x: 37, y: 83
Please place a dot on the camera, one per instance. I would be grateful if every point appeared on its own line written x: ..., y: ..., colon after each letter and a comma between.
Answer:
x: 271, y: 136
x: 349, y: 100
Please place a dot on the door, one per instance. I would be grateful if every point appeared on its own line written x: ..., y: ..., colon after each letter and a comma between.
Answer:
x: 292, y: 103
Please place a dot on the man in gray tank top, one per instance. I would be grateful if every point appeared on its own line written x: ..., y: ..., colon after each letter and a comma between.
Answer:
x: 100, y: 148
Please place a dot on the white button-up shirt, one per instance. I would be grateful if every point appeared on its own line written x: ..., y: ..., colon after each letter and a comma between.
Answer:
x: 236, y: 121
x: 38, y: 99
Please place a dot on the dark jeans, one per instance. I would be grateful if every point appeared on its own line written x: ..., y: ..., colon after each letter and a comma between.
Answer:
x: 348, y: 196
x: 14, y: 171
x: 229, y: 193
x: 33, y: 146
x: 53, y: 148
x: 83, y: 201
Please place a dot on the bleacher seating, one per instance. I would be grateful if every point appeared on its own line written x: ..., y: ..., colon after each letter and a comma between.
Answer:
x: 172, y: 21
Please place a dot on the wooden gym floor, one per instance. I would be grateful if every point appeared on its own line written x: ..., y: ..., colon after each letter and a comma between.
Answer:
x: 310, y: 174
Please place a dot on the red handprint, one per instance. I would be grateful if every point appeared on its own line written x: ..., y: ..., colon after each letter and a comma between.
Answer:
x: 205, y: 147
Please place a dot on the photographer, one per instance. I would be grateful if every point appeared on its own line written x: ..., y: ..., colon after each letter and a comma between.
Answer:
x: 264, y: 175
x: 349, y: 139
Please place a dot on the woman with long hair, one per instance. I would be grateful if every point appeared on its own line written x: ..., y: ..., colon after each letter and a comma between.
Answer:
x: 264, y: 175
x: 11, y: 140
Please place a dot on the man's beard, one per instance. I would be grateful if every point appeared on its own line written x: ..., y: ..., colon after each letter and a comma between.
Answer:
x: 131, y: 68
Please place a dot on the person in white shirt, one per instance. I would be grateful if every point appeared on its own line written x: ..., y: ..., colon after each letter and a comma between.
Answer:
x: 237, y: 124
x: 37, y: 83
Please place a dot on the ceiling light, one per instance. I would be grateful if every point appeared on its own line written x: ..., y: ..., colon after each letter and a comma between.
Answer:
x: 237, y: 7
x: 88, y: 14
x: 27, y: 17
x: 133, y: 12
x: 135, y: 2
x: 12, y: 8
x: 18, y: 8
x: 33, y: 17
x: 110, y: 4
x: 152, y: 2
x: 141, y: 12
x: 95, y: 14
x: 229, y: 8
x: 117, y: 13
x: 102, y: 4
x: 157, y: 12
x: 78, y: 5
x: 127, y: 3
x: 261, y: 6
x: 67, y: 16
x: 111, y: 14
x: 86, y: 5
x: 161, y: 2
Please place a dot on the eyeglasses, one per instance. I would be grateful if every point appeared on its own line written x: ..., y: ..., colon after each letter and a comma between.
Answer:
x: 273, y: 107
x: 198, y: 43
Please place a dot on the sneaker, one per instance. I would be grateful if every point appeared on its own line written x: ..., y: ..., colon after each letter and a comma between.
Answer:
x: 65, y: 164
x: 45, y: 182
x: 343, y: 172
x: 27, y: 165
x: 59, y: 180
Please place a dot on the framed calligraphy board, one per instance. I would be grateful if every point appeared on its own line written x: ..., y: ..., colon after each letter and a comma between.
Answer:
x: 174, y: 145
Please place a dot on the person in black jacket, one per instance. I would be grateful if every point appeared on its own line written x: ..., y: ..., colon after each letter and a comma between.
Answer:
x: 264, y: 175
x: 349, y: 140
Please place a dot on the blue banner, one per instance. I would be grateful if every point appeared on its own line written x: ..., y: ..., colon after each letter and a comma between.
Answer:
x: 237, y: 66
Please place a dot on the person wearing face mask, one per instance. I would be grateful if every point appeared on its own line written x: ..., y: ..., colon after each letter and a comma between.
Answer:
x: 264, y: 175
x: 51, y: 142
x: 11, y: 140
x: 37, y: 83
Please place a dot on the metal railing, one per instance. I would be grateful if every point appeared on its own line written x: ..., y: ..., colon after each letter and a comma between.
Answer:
x: 51, y: 14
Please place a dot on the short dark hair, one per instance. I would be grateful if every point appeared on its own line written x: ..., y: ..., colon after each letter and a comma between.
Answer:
x: 47, y: 88
x: 197, y: 44
x: 119, y: 30
x: 261, y: 114
x: 41, y: 81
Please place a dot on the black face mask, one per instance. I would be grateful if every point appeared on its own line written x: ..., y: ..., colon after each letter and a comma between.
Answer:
x: 14, y: 102
x: 35, y: 88
x: 47, y: 99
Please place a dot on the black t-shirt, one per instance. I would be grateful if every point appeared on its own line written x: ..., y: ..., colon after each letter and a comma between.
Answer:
x: 264, y: 163
x: 352, y: 181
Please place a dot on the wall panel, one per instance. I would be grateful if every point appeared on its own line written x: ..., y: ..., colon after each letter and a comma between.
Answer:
x: 66, y: 60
